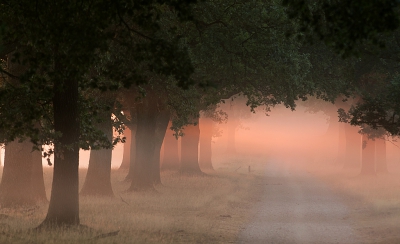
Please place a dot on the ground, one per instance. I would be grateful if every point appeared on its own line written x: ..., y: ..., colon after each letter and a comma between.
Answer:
x: 219, y: 207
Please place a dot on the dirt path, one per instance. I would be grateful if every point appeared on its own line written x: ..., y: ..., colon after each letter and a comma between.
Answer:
x: 297, y: 208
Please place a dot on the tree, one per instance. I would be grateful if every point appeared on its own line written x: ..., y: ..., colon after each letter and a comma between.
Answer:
x: 171, y: 158
x: 60, y: 44
x: 151, y: 127
x: 22, y: 180
x: 126, y: 157
x: 206, y: 126
x: 344, y: 25
x: 98, y: 177
x: 190, y: 147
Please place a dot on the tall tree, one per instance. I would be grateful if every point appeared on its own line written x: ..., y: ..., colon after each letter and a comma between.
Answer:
x: 190, y: 147
x: 206, y: 126
x: 126, y: 157
x: 171, y: 158
x: 98, y: 177
x: 22, y: 180
x: 60, y: 42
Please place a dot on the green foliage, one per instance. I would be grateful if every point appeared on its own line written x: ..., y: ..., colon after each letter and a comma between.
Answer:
x: 381, y: 110
x: 57, y: 42
x: 344, y: 25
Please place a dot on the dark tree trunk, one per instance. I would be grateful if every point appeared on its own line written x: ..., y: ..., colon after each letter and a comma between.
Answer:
x: 368, y: 156
x: 353, y: 147
x: 171, y: 156
x: 98, y: 177
x: 64, y: 201
x: 145, y: 146
x: 162, y: 124
x: 190, y: 150
x: 22, y: 181
x: 380, y: 154
x: 126, y: 157
x: 206, y: 133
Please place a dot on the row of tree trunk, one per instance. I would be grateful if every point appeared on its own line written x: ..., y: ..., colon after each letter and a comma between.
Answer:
x: 357, y: 151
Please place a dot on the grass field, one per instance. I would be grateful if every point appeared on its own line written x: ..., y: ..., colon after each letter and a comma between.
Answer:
x: 207, y: 209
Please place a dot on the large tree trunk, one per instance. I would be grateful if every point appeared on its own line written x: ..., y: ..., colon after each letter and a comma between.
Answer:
x: 147, y: 112
x: 64, y: 201
x: 162, y: 124
x: 190, y: 150
x: 22, y: 181
x: 171, y: 156
x: 126, y: 157
x: 206, y: 133
x: 368, y: 156
x: 380, y: 156
x: 353, y: 147
x: 37, y: 180
x: 98, y: 177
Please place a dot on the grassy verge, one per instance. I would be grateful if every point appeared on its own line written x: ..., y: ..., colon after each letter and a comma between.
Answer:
x: 374, y: 200
x: 207, y: 209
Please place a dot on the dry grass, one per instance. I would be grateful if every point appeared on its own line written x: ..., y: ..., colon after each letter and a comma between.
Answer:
x: 208, y: 209
x: 374, y: 200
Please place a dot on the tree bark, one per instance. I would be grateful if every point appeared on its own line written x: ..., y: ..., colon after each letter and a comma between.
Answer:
x: 126, y: 157
x: 64, y: 201
x: 145, y: 147
x: 206, y: 133
x: 22, y: 181
x: 353, y: 147
x: 37, y: 180
x: 380, y: 154
x: 161, y: 128
x: 98, y: 177
x: 190, y: 150
x: 171, y: 156
x: 132, y: 159
x: 368, y: 156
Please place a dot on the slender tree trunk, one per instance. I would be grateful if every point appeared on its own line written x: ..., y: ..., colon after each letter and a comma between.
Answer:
x: 330, y: 140
x: 341, y: 144
x: 132, y: 149
x: 22, y: 181
x: 126, y: 157
x: 368, y: 156
x: 380, y: 154
x: 190, y: 150
x: 232, y: 125
x: 145, y: 147
x: 353, y: 147
x: 206, y: 133
x: 64, y: 201
x: 171, y: 156
x: 98, y: 177
x: 162, y: 124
